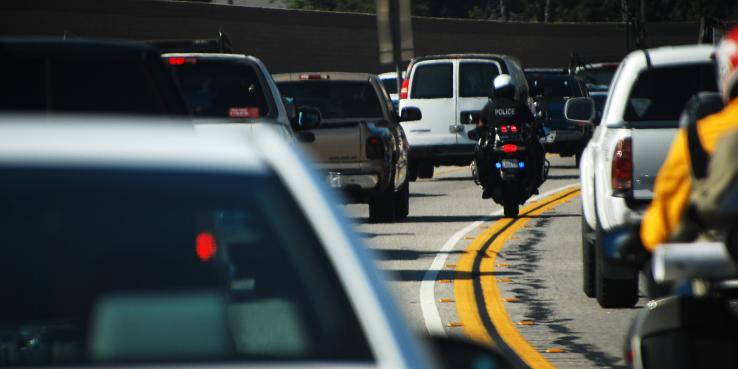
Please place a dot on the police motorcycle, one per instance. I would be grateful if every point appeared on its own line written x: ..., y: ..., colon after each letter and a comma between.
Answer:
x: 508, y: 144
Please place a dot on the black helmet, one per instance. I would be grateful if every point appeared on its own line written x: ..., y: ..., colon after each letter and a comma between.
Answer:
x: 503, y: 87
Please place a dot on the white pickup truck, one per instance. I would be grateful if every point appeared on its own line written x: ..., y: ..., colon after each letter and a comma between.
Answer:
x: 620, y: 163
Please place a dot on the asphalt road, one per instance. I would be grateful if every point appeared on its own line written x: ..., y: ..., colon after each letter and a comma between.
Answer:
x: 538, y: 266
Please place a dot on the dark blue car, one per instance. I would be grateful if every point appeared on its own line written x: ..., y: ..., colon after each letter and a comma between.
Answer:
x: 567, y: 138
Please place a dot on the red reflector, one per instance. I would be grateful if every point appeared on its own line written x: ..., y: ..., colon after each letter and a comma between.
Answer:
x: 205, y: 246
x: 514, y: 129
x: 503, y: 129
x: 622, y: 165
x: 176, y: 61
x: 373, y: 141
x: 403, y: 90
x: 509, y: 148
x: 305, y: 77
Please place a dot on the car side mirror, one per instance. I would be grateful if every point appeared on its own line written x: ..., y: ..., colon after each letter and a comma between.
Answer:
x: 410, y: 114
x: 289, y: 106
x: 579, y: 109
x: 458, y: 353
x: 473, y: 135
x: 308, y: 117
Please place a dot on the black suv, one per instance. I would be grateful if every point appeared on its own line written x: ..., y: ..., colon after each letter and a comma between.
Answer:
x: 86, y: 76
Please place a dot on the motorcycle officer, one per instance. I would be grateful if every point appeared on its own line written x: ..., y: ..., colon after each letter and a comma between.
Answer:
x: 502, y: 108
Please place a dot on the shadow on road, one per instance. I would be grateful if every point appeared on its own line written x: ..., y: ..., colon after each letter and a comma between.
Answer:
x: 405, y: 254
x: 563, y: 176
x: 433, y: 219
x: 417, y: 275
x: 526, y: 256
x: 427, y: 194
x: 445, y: 179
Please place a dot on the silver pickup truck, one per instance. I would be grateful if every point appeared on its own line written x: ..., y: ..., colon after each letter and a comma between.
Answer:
x: 359, y: 144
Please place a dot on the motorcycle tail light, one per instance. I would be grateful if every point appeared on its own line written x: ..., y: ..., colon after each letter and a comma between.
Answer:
x: 503, y: 129
x: 509, y: 148
x: 622, y: 167
x: 514, y: 129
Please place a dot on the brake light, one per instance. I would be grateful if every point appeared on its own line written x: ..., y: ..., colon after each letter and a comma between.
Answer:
x: 509, y: 148
x: 305, y: 77
x: 403, y: 90
x: 205, y: 246
x: 374, y: 148
x: 622, y: 167
x: 503, y: 129
x: 176, y: 61
x: 514, y: 129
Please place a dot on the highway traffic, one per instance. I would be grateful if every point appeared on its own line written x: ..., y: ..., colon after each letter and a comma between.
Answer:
x: 175, y: 202
x: 429, y: 261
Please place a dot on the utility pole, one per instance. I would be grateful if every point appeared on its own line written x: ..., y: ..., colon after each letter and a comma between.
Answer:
x: 547, y: 12
x: 395, y: 34
x: 503, y: 10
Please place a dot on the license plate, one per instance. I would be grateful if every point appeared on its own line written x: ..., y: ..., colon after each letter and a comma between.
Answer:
x: 509, y: 163
x: 333, y: 179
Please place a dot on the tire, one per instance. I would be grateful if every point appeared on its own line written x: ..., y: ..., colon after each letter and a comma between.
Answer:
x: 382, y: 207
x: 402, y: 202
x: 613, y: 293
x: 412, y: 172
x: 588, y: 260
x: 511, y: 209
x: 425, y: 170
x: 510, y: 203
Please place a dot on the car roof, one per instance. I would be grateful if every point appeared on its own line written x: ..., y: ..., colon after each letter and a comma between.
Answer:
x: 678, y: 54
x: 460, y: 56
x: 332, y: 76
x: 84, y: 48
x: 87, y: 141
x: 205, y: 56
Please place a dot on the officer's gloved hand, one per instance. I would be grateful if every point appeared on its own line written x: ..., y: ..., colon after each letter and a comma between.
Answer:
x: 623, y: 245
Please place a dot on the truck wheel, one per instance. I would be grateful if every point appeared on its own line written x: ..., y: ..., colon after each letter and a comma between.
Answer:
x: 425, y: 170
x: 614, y: 293
x: 588, y: 260
x: 382, y: 207
x: 402, y: 201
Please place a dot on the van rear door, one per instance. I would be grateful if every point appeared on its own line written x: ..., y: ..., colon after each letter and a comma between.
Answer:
x: 474, y: 81
x: 432, y: 91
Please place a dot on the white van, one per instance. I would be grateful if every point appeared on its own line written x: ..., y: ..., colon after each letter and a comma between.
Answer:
x: 450, y: 90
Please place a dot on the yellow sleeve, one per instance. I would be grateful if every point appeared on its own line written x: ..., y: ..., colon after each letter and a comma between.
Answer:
x: 671, y: 195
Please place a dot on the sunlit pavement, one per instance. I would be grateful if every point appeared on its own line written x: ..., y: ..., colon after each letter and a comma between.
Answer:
x: 539, y: 267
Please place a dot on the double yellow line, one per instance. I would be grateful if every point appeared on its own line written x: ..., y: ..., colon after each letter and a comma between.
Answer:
x: 479, y: 303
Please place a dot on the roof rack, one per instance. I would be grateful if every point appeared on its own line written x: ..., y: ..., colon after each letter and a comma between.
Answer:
x: 221, y: 44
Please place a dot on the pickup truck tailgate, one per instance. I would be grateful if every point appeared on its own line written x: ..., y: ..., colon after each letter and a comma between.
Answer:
x: 650, y: 147
x: 336, y: 143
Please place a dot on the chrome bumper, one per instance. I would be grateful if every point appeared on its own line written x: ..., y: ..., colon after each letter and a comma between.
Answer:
x: 363, y: 181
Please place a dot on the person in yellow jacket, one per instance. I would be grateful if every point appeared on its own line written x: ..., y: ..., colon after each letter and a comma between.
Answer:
x: 673, y: 182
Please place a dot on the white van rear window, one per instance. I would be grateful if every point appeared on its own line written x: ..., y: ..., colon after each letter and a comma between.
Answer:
x: 432, y: 81
x: 475, y: 79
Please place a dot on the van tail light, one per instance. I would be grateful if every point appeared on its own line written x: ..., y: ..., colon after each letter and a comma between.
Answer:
x: 403, y: 90
x: 374, y: 148
x: 622, y: 168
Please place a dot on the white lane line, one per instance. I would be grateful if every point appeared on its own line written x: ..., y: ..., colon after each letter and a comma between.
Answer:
x: 431, y: 316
